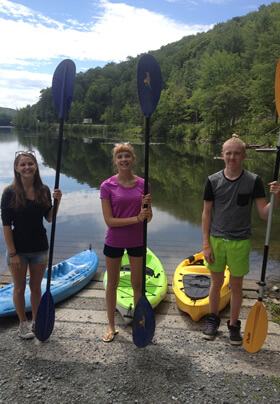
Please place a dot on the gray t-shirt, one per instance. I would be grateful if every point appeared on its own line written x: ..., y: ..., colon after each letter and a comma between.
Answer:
x: 232, y: 203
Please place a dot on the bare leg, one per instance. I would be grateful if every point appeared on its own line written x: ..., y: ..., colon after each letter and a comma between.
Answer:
x: 236, y: 284
x: 37, y: 272
x: 136, y: 277
x: 217, y: 280
x: 113, y: 276
x: 19, y: 279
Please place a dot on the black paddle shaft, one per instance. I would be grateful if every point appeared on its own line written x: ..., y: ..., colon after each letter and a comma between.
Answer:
x: 146, y: 189
x: 56, y: 186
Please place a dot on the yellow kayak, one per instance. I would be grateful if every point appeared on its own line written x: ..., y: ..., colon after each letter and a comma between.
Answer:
x: 191, y: 284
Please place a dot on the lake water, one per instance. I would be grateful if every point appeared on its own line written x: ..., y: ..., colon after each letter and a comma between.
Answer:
x: 177, y: 173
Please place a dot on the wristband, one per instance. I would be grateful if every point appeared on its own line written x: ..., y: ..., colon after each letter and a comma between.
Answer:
x: 206, y: 246
x: 12, y: 255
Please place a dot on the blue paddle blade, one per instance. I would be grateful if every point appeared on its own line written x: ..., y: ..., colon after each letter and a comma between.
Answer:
x: 63, y: 83
x: 148, y: 84
x: 143, y: 327
x: 45, y: 317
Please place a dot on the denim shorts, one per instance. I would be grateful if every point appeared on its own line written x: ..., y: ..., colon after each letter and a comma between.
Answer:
x: 39, y: 257
x: 114, y: 252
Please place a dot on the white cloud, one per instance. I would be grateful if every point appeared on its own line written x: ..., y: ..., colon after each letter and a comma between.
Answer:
x: 118, y: 31
x: 21, y: 87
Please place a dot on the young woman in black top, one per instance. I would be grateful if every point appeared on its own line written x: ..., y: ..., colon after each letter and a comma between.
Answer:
x: 24, y: 204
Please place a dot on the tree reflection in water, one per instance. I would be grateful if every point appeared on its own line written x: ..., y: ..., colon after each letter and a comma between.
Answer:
x: 177, y: 173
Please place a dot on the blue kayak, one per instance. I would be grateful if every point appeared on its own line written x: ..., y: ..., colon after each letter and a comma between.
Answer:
x: 67, y: 278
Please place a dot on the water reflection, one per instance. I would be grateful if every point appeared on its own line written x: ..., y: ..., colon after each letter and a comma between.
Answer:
x: 177, y: 172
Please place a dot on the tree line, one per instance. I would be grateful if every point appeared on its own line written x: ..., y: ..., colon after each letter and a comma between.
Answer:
x: 6, y: 116
x: 214, y: 83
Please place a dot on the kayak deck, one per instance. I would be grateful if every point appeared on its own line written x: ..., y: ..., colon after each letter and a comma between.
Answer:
x: 156, y: 285
x: 67, y: 278
x: 191, y: 284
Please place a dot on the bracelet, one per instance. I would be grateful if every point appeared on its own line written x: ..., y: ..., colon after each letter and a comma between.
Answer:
x: 206, y: 246
x: 13, y: 254
x: 139, y: 220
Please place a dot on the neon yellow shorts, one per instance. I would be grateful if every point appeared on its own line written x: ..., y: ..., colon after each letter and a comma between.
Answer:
x: 234, y: 253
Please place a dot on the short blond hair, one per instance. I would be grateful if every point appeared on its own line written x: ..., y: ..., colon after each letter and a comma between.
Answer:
x: 123, y: 148
x: 235, y: 140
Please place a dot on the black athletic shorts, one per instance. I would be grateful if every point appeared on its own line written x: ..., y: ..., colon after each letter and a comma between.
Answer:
x: 114, y: 252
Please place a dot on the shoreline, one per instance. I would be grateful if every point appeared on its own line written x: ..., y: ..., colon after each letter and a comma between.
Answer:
x: 75, y: 365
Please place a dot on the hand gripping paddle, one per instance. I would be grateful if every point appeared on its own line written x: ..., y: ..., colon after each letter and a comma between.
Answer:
x: 257, y: 321
x: 149, y: 90
x: 62, y: 90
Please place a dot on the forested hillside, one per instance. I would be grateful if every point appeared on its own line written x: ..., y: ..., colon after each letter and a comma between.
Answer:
x: 6, y: 116
x: 214, y: 84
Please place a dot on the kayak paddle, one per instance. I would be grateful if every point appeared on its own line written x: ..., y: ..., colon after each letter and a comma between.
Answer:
x: 257, y: 321
x: 62, y: 91
x: 149, y: 89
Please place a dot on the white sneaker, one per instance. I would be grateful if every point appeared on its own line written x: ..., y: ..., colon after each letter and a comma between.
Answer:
x: 33, y: 327
x: 24, y: 331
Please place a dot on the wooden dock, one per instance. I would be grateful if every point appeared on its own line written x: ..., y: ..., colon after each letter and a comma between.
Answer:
x: 95, y: 290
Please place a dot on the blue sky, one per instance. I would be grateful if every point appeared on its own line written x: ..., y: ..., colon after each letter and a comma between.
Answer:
x: 37, y: 34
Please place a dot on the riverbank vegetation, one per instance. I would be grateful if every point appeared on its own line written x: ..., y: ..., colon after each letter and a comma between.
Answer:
x: 275, y: 312
x: 214, y: 84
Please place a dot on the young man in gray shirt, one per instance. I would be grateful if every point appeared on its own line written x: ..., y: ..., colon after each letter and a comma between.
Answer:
x: 226, y: 226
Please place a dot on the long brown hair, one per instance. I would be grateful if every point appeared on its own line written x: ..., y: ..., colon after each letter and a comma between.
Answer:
x: 18, y: 201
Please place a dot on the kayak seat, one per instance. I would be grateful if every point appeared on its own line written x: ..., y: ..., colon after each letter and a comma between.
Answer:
x: 196, y: 286
x: 59, y: 270
x: 198, y: 262
x: 149, y: 271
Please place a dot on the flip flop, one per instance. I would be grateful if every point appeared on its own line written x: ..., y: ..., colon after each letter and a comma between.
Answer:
x: 109, y: 336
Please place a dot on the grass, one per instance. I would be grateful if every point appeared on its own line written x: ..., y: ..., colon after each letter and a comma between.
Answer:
x: 275, y: 312
x: 276, y: 381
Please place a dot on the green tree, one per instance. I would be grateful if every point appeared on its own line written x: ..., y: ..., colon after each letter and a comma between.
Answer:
x: 25, y: 118
x: 97, y: 98
x: 45, y: 108
x: 76, y: 113
x: 221, y: 96
x: 5, y: 119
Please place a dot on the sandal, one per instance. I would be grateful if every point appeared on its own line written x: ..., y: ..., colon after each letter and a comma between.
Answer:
x: 109, y: 336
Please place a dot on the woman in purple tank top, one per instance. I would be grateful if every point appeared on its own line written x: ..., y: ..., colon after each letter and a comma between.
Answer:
x: 123, y: 209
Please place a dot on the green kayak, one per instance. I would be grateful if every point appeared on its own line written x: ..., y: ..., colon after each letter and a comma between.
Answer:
x: 156, y: 285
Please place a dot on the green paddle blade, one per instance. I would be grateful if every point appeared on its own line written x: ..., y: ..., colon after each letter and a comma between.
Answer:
x: 256, y: 328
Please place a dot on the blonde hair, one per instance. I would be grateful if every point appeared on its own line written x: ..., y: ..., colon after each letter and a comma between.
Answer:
x: 237, y: 141
x: 123, y: 148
